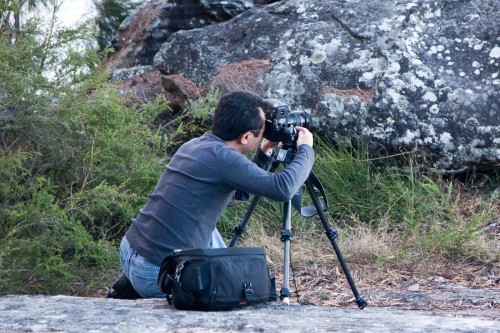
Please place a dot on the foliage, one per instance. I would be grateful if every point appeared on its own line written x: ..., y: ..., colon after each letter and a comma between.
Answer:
x: 190, y: 122
x: 76, y: 163
x: 203, y: 107
x: 426, y: 209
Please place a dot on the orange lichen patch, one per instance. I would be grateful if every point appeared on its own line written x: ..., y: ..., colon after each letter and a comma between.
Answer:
x: 244, y: 75
x: 143, y: 88
x: 365, y: 95
x: 181, y: 88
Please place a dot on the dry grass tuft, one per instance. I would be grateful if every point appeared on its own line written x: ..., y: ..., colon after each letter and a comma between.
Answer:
x: 360, y: 244
x: 363, y: 244
x: 316, y: 275
x: 244, y: 75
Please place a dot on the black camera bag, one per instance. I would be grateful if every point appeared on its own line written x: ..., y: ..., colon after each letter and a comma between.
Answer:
x: 215, y: 279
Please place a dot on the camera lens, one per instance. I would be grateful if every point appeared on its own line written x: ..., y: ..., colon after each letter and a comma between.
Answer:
x: 298, y: 119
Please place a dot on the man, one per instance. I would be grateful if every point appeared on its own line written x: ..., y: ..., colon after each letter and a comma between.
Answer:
x: 203, y: 176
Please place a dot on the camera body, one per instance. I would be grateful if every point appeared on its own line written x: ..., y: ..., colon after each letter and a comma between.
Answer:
x: 281, y: 122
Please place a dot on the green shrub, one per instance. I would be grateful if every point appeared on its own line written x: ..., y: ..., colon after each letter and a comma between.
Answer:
x: 203, y: 107
x: 76, y: 164
x: 42, y: 251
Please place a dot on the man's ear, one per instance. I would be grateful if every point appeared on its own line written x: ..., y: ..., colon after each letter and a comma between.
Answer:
x: 245, y: 137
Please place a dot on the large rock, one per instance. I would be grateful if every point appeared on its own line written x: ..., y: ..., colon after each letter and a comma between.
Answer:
x: 404, y: 75
x: 141, y: 35
x: 78, y: 314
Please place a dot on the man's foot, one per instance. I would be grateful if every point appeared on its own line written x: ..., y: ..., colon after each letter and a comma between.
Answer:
x: 121, y: 288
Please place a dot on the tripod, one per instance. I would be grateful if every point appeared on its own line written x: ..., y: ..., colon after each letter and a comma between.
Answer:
x: 312, y: 185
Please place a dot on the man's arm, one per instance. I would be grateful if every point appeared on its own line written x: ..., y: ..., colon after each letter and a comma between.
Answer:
x: 281, y: 186
x: 263, y: 158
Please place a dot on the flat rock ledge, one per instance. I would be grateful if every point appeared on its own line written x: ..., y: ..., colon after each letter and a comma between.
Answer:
x: 36, y: 313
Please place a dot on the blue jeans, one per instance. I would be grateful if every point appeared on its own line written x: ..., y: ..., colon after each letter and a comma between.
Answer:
x: 143, y: 274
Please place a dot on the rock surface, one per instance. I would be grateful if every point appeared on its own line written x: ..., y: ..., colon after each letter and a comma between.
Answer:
x: 77, y: 314
x: 142, y: 34
x: 405, y: 75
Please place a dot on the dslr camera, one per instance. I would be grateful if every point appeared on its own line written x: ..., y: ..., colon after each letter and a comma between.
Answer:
x: 281, y: 122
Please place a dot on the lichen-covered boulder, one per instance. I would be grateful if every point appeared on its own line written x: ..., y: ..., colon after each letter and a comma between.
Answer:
x: 404, y: 75
x: 143, y: 32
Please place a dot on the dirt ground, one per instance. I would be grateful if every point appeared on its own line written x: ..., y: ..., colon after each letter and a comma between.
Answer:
x: 431, y: 288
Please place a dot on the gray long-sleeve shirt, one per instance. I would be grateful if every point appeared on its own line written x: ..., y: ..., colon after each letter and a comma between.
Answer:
x: 198, y: 184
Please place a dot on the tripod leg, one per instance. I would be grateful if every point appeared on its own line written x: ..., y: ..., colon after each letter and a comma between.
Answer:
x: 240, y: 228
x: 332, y: 235
x: 286, y: 235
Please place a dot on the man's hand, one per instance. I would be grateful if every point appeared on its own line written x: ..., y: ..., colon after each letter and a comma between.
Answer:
x: 305, y: 136
x: 267, y: 146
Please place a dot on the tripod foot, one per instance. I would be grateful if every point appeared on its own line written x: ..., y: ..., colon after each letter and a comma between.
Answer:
x: 286, y: 301
x: 361, y: 303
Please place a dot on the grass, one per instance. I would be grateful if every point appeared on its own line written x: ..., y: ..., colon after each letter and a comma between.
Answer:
x: 390, y: 217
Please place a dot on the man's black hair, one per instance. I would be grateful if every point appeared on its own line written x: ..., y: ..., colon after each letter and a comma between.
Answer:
x: 238, y: 112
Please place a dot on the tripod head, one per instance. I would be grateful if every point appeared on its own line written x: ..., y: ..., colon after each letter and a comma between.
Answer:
x: 286, y: 154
